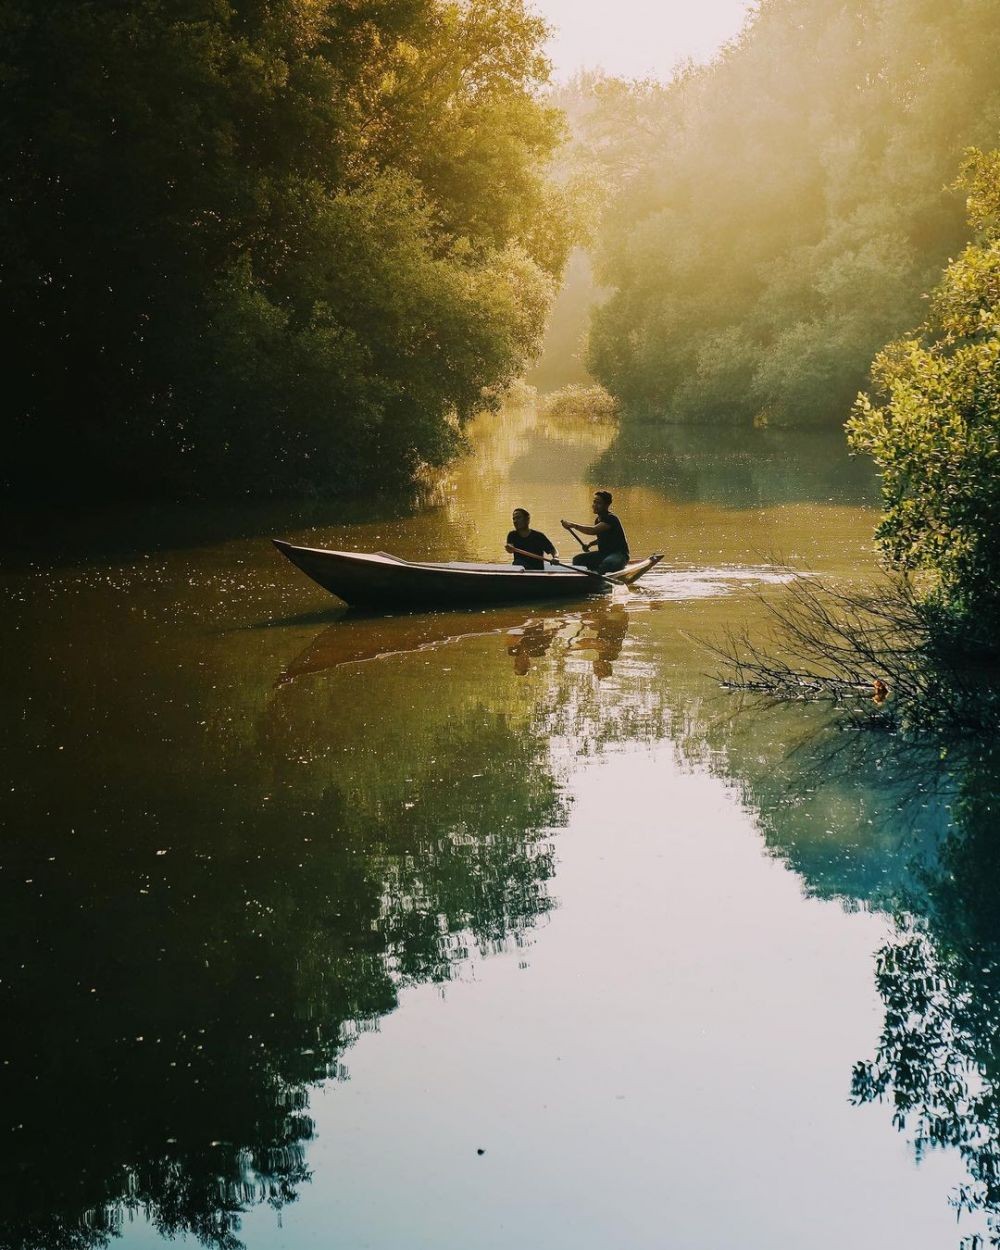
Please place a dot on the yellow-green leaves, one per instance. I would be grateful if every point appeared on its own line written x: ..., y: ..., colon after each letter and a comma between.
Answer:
x: 264, y: 246
x: 779, y: 213
x: 935, y: 433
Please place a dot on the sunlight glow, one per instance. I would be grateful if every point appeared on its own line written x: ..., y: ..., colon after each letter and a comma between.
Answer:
x: 637, y: 38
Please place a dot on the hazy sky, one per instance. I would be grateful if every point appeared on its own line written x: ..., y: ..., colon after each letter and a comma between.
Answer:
x: 636, y: 38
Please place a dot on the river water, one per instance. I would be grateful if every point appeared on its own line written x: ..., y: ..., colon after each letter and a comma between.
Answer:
x: 474, y: 929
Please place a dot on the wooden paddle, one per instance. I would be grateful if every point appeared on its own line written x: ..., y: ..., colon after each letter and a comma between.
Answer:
x: 585, y: 546
x: 573, y: 568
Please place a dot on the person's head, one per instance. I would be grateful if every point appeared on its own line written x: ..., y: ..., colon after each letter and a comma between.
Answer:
x: 602, y: 501
x: 521, y: 518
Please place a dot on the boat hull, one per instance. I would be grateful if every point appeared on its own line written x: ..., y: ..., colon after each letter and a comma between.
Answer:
x: 382, y: 581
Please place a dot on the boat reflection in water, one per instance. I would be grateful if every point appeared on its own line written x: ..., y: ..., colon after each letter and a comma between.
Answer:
x: 599, y: 630
x: 355, y: 638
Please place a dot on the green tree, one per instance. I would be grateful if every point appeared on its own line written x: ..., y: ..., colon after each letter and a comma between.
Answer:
x: 267, y: 245
x: 935, y: 435
x: 779, y: 212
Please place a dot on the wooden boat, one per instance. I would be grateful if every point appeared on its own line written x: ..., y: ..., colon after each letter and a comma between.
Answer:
x: 379, y: 580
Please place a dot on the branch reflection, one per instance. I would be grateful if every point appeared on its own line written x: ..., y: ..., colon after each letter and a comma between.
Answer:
x: 178, y: 993
x: 910, y: 829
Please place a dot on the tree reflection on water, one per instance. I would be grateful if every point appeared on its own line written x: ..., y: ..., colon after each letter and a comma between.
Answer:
x: 174, y: 1007
x: 910, y: 830
x: 746, y: 469
x: 938, y: 1058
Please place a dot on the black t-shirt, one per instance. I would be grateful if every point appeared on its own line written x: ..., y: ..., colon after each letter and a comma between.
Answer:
x: 534, y: 541
x: 611, y: 540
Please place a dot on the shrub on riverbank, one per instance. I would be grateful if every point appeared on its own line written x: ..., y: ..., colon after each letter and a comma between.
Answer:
x: 875, y: 655
x: 935, y: 435
x: 267, y: 247
x: 917, y: 653
x: 580, y: 403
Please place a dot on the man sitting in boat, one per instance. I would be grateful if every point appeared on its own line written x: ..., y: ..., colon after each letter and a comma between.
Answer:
x: 522, y: 538
x: 612, y: 545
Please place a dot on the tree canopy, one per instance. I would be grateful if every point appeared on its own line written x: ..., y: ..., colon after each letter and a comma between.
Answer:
x: 935, y: 435
x: 267, y: 245
x: 779, y: 213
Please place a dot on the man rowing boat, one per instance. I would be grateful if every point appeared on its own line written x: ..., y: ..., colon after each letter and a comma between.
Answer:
x: 609, y: 536
x: 522, y: 539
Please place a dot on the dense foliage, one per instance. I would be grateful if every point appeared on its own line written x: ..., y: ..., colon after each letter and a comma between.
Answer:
x: 266, y: 244
x: 779, y: 212
x: 935, y: 437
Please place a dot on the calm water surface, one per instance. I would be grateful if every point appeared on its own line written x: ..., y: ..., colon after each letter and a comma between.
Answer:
x: 480, y: 930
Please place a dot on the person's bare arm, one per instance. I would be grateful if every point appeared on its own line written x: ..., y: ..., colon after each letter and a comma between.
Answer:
x: 599, y: 528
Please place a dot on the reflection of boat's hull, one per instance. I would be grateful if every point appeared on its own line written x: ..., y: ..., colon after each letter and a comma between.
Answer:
x: 382, y: 581
x: 359, y: 637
